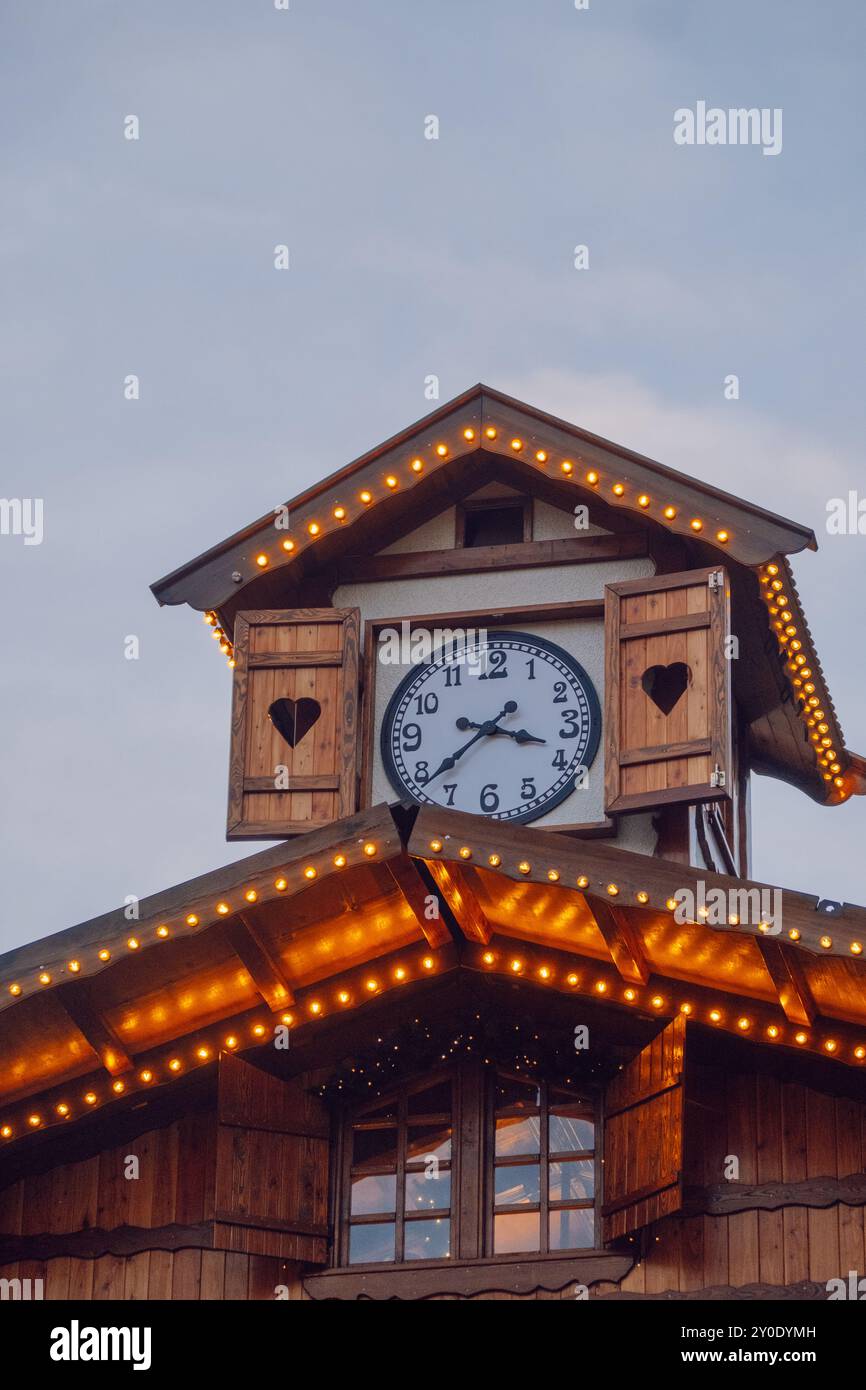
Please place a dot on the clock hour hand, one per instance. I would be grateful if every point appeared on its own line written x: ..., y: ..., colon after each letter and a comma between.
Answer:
x: 519, y: 735
x: 488, y: 727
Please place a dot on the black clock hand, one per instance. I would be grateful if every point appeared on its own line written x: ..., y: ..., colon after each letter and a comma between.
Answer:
x: 519, y: 735
x: 488, y: 727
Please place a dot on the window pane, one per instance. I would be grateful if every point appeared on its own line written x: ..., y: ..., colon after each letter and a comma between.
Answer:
x: 427, y: 1240
x: 517, y: 1183
x: 512, y: 1234
x: 517, y: 1136
x: 434, y: 1100
x: 428, y: 1140
x: 371, y: 1244
x: 377, y: 1146
x: 571, y: 1230
x: 387, y: 1111
x: 372, y: 1195
x: 572, y: 1182
x: 428, y: 1194
x: 570, y: 1129
x: 511, y: 1095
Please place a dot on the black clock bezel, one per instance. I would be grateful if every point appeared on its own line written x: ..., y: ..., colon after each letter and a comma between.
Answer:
x: 493, y: 635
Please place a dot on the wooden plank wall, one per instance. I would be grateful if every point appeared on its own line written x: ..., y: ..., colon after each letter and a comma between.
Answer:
x: 780, y: 1131
x: 161, y: 1274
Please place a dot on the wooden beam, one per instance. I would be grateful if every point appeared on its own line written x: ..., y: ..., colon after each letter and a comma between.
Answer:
x: 417, y: 894
x: 266, y: 973
x: 458, y: 888
x: 791, y: 984
x: 622, y: 940
x: 76, y: 1001
x: 523, y: 555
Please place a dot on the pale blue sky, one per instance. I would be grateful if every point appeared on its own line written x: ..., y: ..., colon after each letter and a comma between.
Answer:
x: 409, y: 257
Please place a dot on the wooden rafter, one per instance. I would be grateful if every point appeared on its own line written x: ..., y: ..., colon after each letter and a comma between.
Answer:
x: 458, y: 888
x: 265, y: 972
x: 622, y: 940
x: 77, y: 1004
x: 416, y: 893
x: 790, y: 983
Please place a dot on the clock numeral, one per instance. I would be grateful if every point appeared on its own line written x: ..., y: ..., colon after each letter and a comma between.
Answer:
x: 496, y: 661
x: 422, y: 773
x: 559, y: 760
x: 450, y: 788
x: 560, y: 696
x: 427, y: 704
x: 571, y: 716
x: 452, y: 676
x: 411, y: 738
x: 488, y: 800
x: 527, y: 789
x: 531, y: 664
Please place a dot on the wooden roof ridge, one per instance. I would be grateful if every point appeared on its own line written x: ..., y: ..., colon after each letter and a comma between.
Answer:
x: 206, y: 582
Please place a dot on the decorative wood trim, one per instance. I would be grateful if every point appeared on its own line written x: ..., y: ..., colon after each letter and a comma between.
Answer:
x: 804, y: 1292
x: 495, y: 1275
x: 92, y: 1244
x: 725, y: 1199
x: 420, y: 564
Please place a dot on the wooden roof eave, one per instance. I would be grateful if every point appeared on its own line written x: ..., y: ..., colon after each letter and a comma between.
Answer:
x: 111, y: 933
x: 209, y: 583
x: 605, y: 867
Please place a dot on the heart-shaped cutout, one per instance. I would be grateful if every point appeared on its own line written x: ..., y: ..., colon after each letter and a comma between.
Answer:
x: 666, y: 684
x: 294, y: 718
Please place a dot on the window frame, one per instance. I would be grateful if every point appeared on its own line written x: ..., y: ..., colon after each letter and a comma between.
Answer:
x: 350, y: 1119
x: 543, y: 1160
x: 472, y: 1166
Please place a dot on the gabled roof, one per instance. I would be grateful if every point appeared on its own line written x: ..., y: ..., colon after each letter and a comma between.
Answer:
x: 331, y: 926
x: 332, y: 517
x: 483, y: 435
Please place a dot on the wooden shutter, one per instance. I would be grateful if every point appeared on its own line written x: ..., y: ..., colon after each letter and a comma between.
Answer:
x: 644, y: 1114
x: 303, y: 661
x: 667, y: 691
x: 272, y: 1166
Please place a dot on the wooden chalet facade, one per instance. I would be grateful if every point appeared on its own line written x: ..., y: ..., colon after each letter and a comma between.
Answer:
x: 533, y: 1031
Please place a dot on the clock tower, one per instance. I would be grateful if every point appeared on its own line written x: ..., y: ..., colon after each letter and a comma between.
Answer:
x: 497, y: 613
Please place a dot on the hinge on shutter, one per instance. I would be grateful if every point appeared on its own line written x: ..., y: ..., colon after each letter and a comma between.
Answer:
x: 716, y: 579
x: 717, y: 777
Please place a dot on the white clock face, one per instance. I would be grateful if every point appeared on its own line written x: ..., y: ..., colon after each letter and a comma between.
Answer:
x: 501, y: 728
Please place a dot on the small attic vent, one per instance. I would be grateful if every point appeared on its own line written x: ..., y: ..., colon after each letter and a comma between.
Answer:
x: 494, y: 522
